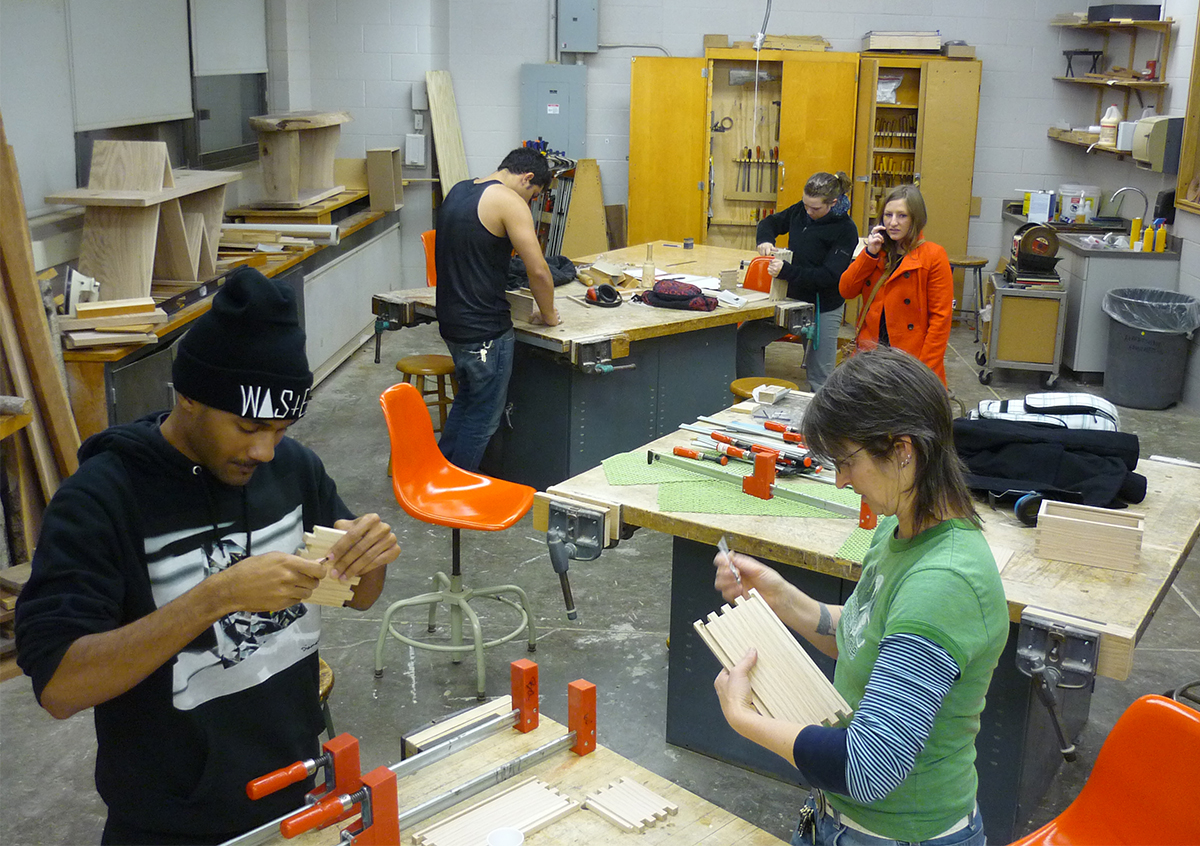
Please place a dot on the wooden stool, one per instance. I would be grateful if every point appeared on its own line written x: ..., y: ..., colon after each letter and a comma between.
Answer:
x: 969, y: 263
x: 417, y: 367
x: 325, y: 687
x: 745, y: 386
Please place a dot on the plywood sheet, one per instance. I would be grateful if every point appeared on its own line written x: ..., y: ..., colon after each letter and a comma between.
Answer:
x: 447, y: 133
x: 587, y: 230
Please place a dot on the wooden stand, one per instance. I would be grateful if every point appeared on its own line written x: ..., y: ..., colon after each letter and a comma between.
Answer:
x: 383, y: 179
x: 296, y: 151
x: 144, y: 221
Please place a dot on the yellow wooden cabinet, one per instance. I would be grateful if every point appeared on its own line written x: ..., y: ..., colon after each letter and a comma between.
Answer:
x: 716, y: 143
x: 917, y: 118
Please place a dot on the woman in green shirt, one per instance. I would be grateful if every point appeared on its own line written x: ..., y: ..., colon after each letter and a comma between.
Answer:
x: 918, y: 639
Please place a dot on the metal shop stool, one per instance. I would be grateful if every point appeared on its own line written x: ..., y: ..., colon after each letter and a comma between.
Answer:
x: 969, y: 263
x: 433, y: 490
x: 745, y: 386
x: 325, y: 687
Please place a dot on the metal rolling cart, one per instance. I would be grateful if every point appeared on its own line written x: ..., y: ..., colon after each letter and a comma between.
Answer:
x: 1026, y: 330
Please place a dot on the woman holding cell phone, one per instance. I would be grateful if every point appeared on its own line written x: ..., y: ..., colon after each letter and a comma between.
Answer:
x: 905, y: 282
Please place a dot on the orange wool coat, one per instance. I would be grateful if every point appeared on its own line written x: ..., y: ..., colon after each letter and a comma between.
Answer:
x: 917, y: 298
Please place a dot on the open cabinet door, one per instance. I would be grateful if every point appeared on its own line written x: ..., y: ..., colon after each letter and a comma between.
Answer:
x: 817, y: 118
x: 667, y: 131
x: 864, y: 149
x: 946, y: 149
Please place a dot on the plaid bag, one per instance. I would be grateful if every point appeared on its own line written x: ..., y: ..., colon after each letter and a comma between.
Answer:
x: 671, y: 293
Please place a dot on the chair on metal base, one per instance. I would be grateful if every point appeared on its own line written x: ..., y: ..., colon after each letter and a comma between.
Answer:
x: 433, y: 490
x: 1143, y: 786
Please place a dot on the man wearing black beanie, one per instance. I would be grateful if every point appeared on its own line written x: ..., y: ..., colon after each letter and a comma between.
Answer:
x: 166, y: 594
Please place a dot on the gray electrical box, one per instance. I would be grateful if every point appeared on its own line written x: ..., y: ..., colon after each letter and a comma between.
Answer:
x: 578, y: 26
x: 554, y: 107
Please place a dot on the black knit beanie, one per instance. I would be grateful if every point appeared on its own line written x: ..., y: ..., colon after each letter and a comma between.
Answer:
x: 246, y: 355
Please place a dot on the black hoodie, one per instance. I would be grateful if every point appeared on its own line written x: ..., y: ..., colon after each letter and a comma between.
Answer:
x: 822, y: 249
x: 136, y: 526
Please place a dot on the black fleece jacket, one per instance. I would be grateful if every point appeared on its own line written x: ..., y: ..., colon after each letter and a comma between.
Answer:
x: 821, y: 251
x: 135, y: 527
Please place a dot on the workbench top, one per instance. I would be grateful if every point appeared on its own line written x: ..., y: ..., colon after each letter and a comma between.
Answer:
x: 698, y: 821
x: 628, y: 322
x: 1120, y: 604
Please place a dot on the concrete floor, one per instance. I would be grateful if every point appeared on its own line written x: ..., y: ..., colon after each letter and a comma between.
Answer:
x: 619, y: 641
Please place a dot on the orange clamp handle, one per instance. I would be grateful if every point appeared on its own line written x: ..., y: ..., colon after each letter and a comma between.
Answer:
x: 271, y: 782
x: 314, y: 816
x: 722, y: 437
x: 687, y: 453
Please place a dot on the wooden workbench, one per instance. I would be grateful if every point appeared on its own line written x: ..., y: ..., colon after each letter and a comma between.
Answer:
x: 698, y: 820
x: 1017, y: 751
x: 567, y: 418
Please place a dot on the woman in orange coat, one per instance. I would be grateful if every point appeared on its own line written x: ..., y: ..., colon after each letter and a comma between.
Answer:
x: 912, y: 311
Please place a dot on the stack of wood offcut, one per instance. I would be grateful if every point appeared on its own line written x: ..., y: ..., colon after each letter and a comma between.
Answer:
x: 112, y: 322
x: 40, y: 454
x: 12, y: 580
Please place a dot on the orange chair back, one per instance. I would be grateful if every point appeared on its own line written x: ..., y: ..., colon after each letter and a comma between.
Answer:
x: 429, y: 487
x: 427, y: 238
x: 1144, y: 787
x: 757, y: 278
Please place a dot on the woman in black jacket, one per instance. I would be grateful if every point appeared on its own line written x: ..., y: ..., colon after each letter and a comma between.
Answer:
x: 822, y: 239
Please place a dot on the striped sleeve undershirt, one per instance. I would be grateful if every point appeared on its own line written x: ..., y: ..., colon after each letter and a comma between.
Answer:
x: 869, y: 759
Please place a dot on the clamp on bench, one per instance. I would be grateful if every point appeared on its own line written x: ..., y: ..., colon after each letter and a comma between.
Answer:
x: 1056, y: 655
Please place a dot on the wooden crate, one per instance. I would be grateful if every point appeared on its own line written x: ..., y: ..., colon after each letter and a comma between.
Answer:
x: 1083, y: 534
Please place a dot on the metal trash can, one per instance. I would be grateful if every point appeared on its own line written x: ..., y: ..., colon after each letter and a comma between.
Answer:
x: 1147, y: 345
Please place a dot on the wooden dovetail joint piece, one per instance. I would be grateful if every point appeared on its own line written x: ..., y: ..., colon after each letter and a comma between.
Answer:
x: 630, y: 805
x: 329, y: 591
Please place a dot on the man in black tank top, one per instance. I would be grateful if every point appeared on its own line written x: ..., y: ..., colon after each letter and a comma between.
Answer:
x: 480, y: 223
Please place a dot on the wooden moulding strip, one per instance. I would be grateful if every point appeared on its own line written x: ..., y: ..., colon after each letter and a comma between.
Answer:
x: 39, y: 441
x: 30, y: 318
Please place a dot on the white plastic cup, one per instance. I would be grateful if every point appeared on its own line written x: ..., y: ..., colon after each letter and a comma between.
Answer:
x: 506, y: 837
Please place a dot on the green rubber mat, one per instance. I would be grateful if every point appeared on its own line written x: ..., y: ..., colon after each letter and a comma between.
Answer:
x: 856, y: 546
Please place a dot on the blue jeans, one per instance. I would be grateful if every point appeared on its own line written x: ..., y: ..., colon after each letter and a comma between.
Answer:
x: 754, y: 335
x: 828, y: 831
x: 482, y: 370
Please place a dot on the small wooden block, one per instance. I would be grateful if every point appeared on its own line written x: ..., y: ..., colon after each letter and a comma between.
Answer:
x: 14, y: 578
x: 522, y: 305
x: 111, y: 321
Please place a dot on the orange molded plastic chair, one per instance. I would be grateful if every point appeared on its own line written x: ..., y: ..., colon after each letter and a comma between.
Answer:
x: 1144, y: 787
x: 427, y: 238
x: 757, y: 278
x: 435, y: 491
x: 436, y: 366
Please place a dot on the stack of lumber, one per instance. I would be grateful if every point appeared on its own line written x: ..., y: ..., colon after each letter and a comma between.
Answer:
x: 786, y: 683
x: 529, y: 806
x: 12, y: 580
x: 331, y: 591
x: 41, y: 454
x: 112, y: 322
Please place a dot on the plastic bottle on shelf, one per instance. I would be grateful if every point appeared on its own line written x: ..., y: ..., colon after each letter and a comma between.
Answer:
x: 1148, y: 240
x: 1135, y: 233
x: 1160, y: 239
x: 1108, y: 126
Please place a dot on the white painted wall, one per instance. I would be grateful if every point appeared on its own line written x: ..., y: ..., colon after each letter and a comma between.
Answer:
x: 365, y: 56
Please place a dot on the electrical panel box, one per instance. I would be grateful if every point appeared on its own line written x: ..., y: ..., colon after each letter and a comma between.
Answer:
x: 578, y: 26
x: 554, y: 106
